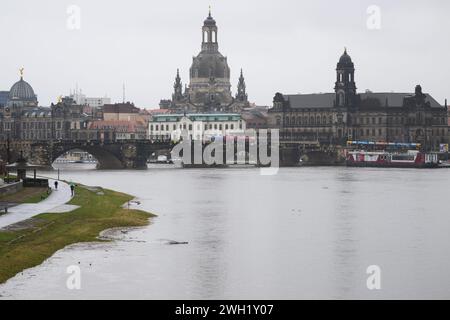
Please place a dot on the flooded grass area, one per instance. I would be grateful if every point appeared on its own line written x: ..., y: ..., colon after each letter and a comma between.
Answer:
x: 37, y: 239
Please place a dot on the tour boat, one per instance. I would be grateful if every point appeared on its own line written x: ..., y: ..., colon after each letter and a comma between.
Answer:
x: 410, y: 159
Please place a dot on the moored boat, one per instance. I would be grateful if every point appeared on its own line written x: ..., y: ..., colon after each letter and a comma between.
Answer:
x: 409, y: 159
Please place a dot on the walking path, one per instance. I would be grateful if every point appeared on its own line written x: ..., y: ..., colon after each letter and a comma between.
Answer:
x: 55, y: 202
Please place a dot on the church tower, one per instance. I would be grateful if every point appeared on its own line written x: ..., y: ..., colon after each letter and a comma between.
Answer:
x: 209, y: 86
x: 178, y: 88
x: 209, y: 30
x: 345, y: 87
x: 241, y: 95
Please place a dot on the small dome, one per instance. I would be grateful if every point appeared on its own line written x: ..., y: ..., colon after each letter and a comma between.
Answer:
x: 22, y: 90
x: 345, y: 59
x: 210, y: 21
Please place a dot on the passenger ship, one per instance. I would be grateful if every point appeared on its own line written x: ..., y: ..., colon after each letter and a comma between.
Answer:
x: 409, y: 159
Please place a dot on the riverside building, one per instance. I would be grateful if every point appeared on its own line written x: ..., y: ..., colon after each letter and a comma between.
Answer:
x: 198, y: 126
x: 335, y: 118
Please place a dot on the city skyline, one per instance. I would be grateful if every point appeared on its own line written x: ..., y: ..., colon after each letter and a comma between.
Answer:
x: 301, y: 34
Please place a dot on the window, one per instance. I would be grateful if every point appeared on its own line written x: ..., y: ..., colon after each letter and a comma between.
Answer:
x: 341, y: 99
x: 232, y: 126
x: 190, y: 127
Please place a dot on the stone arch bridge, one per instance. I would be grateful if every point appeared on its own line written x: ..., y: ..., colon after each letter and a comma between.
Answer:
x: 130, y: 154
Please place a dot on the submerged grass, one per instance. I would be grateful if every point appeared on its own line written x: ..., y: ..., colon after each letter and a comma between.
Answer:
x: 29, y: 246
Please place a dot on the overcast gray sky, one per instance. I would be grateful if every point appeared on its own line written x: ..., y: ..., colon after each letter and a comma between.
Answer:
x: 290, y: 46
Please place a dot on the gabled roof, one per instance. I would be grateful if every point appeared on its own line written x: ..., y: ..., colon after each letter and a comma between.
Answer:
x: 395, y: 99
x: 315, y: 100
x: 326, y: 100
x: 120, y: 108
x: 197, y: 117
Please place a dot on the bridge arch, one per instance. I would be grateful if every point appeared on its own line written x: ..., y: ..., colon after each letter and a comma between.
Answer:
x: 106, y: 159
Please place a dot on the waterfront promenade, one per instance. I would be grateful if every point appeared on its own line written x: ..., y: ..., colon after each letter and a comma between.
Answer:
x: 26, y: 211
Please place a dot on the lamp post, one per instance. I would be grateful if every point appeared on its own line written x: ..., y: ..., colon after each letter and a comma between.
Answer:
x: 8, y: 149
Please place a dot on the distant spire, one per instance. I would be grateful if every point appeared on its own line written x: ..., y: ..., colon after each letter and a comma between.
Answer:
x: 241, y: 93
x: 178, y: 88
x: 345, y: 50
x: 21, y: 72
x: 209, y: 15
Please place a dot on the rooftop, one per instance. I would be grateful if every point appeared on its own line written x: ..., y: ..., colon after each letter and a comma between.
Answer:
x: 326, y: 100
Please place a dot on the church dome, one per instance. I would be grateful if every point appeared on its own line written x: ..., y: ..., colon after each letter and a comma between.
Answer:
x: 210, y: 65
x: 22, y: 90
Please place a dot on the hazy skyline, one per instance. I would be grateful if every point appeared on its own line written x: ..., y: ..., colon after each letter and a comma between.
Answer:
x: 288, y: 46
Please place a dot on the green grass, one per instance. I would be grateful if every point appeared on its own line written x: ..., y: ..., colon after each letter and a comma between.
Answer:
x: 38, y: 197
x: 49, y: 232
x: 27, y: 195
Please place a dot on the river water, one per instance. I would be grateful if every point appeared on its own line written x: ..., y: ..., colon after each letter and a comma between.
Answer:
x: 303, y: 233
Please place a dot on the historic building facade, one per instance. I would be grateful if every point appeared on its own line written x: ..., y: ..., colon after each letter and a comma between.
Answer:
x: 209, y: 89
x: 197, y: 126
x: 347, y: 115
x: 22, y: 119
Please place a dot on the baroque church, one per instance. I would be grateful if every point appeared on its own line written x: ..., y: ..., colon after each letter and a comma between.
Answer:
x: 344, y: 114
x: 209, y: 88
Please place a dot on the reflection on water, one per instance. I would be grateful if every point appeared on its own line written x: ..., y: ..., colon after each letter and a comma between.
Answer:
x: 304, y: 233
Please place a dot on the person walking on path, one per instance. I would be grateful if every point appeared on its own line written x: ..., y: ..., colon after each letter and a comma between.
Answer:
x: 56, y: 185
x: 72, y: 189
